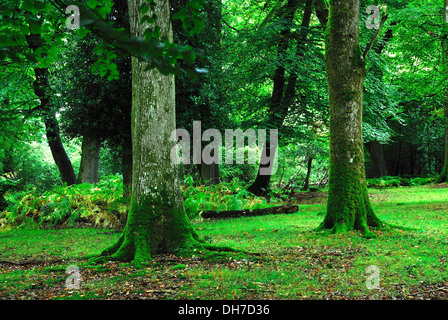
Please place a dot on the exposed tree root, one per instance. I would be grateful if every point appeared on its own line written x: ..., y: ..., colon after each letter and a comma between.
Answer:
x: 366, y: 230
x: 127, y: 251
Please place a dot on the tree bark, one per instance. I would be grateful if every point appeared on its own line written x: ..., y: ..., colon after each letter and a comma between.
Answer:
x: 60, y: 157
x: 209, y: 173
x: 126, y: 163
x: 90, y: 160
x: 348, y: 204
x: 157, y: 222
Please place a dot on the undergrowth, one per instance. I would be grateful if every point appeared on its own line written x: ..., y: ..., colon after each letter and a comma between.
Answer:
x: 102, y: 205
x: 387, y: 182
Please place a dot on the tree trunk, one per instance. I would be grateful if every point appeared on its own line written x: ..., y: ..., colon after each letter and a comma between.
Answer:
x: 126, y: 163
x: 306, y: 183
x: 260, y: 186
x: 40, y: 86
x: 156, y: 221
x: 378, y: 161
x: 444, y: 174
x: 209, y: 173
x: 90, y: 160
x: 348, y: 204
x: 60, y: 157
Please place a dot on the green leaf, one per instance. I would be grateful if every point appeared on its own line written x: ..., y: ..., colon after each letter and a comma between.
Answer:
x: 35, y: 27
x: 92, y: 4
x: 28, y: 5
x: 83, y: 32
x: 24, y: 29
x: 103, y: 71
x: 196, y: 4
x: 104, y: 11
x: 180, y: 15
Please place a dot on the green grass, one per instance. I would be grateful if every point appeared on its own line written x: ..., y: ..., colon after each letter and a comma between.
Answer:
x: 291, y: 262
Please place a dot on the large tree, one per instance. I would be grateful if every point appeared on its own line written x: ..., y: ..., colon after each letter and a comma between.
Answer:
x: 348, y: 205
x: 157, y: 222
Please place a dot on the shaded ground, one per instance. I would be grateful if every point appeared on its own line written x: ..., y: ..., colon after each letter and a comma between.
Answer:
x: 170, y: 277
x: 290, y: 261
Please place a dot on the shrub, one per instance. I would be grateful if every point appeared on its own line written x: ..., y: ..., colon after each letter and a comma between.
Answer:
x: 101, y: 205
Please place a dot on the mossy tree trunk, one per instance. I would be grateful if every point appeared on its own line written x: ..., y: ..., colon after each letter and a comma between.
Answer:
x: 348, y: 205
x: 126, y: 163
x: 156, y: 221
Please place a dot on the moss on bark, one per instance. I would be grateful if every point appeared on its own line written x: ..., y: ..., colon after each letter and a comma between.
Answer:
x: 154, y: 227
x: 157, y: 222
x: 348, y: 204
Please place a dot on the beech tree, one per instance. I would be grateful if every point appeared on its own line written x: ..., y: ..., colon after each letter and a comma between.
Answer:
x: 348, y: 204
x: 157, y: 222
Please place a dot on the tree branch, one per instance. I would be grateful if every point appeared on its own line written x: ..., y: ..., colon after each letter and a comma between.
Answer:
x: 375, y: 37
x: 227, y: 24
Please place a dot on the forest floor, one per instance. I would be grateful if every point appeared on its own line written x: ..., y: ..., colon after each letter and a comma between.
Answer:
x: 289, y: 261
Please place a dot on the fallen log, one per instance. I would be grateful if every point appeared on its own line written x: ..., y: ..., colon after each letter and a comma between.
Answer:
x: 249, y: 213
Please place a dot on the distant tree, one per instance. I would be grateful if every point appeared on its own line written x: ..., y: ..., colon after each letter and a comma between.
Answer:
x: 42, y: 90
x: 97, y: 109
x: 200, y: 98
x: 284, y: 86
